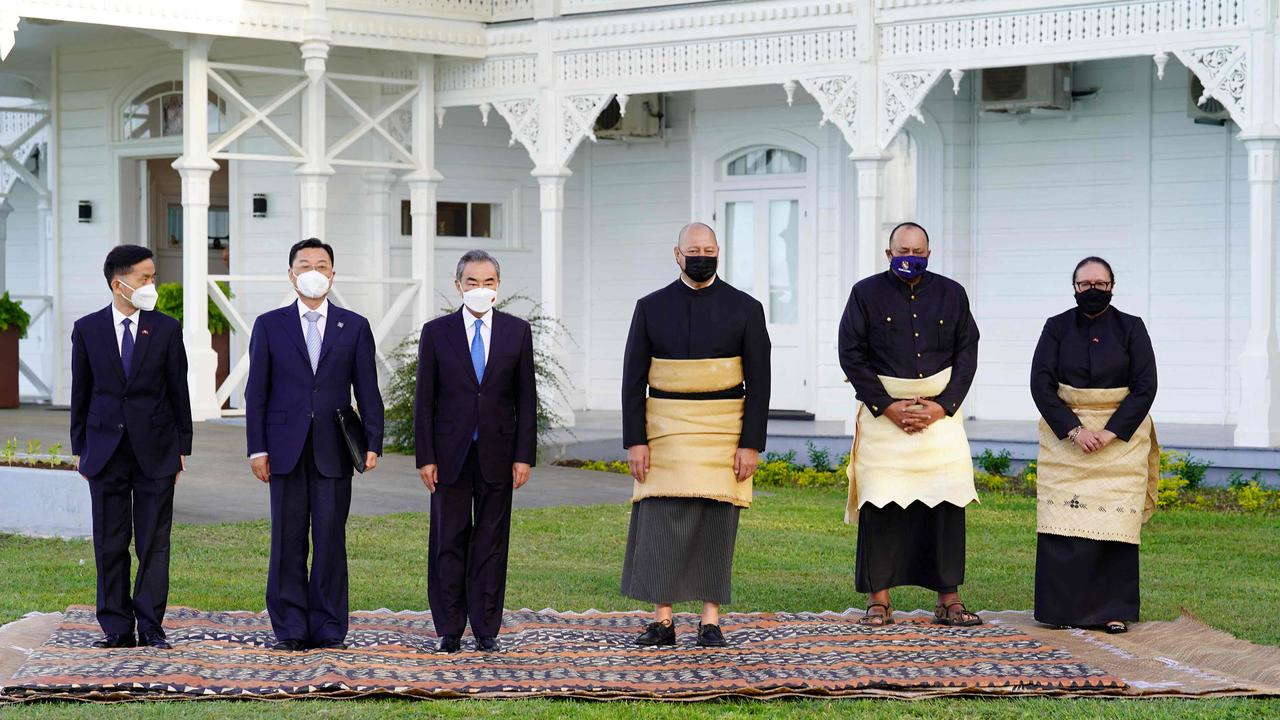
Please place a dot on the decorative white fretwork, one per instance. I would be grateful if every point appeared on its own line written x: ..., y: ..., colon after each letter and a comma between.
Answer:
x: 712, y: 58
x: 838, y: 99
x: 522, y: 117
x: 22, y: 130
x: 578, y: 115
x: 1224, y: 72
x: 1057, y: 27
x: 901, y: 95
x: 505, y: 72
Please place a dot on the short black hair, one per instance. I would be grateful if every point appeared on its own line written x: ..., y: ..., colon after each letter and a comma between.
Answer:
x: 909, y: 224
x: 122, y: 258
x: 309, y: 243
x: 1093, y: 259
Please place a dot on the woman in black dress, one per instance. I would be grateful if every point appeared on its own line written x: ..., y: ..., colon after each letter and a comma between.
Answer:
x: 1083, y: 581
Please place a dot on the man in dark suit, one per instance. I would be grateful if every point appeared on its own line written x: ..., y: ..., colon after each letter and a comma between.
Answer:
x: 131, y: 428
x: 475, y: 429
x: 304, y: 361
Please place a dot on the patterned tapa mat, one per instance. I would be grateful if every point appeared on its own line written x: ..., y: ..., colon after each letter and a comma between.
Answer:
x: 554, y: 654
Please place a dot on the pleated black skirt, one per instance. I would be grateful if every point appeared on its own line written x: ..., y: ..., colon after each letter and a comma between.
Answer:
x: 918, y: 545
x: 680, y: 549
x: 1085, y: 583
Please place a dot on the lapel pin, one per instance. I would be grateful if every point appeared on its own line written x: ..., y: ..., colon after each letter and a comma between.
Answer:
x: 339, y: 323
x: 146, y: 332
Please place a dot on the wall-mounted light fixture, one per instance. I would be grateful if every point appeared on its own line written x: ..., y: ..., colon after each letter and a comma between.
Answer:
x: 86, y: 211
x: 259, y: 205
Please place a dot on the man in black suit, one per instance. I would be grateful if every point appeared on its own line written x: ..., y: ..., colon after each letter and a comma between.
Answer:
x: 305, y: 359
x: 475, y: 429
x: 131, y: 428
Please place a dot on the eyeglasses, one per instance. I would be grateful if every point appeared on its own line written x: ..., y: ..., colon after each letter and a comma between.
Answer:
x: 1082, y: 286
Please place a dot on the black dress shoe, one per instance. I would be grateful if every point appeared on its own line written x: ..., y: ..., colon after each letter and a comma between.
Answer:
x: 289, y: 646
x: 110, y: 642
x: 450, y: 643
x: 486, y: 643
x: 329, y: 645
x: 658, y: 633
x: 154, y: 639
x: 710, y: 636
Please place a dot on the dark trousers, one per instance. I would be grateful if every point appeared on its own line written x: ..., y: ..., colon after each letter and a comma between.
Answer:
x: 124, y: 499
x: 314, y: 608
x: 467, y: 561
x: 916, y: 545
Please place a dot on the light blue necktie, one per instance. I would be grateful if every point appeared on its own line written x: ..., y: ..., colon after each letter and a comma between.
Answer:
x: 313, y: 337
x: 477, y: 362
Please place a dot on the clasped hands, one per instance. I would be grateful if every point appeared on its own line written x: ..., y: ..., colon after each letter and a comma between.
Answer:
x: 1091, y: 441
x: 745, y: 462
x: 914, y: 415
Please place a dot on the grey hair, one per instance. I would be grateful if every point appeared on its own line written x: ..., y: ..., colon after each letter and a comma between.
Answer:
x: 476, y: 256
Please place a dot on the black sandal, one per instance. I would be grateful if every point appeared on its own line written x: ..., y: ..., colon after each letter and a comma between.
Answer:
x: 870, y: 619
x: 942, y: 615
x: 1116, y: 627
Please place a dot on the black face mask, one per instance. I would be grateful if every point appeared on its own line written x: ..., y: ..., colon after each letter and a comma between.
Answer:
x: 700, y: 268
x: 1093, y: 300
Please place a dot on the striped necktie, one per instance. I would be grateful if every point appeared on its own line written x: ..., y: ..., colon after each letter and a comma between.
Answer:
x: 313, y: 337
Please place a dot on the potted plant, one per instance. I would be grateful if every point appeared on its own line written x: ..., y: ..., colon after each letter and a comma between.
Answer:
x: 43, y: 494
x: 170, y: 303
x: 13, y: 327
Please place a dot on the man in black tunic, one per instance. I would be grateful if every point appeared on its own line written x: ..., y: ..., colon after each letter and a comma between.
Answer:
x: 908, y: 327
x: 700, y: 349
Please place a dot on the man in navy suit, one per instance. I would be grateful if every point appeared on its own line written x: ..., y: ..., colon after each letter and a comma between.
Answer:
x: 131, y: 428
x: 304, y: 361
x: 475, y: 429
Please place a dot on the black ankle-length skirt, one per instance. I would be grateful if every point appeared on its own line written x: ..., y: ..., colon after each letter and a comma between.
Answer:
x: 1085, y: 583
x: 680, y: 549
x: 916, y: 545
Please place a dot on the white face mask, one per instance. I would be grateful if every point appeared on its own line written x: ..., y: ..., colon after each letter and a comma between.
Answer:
x: 144, y: 298
x: 479, y: 300
x: 313, y: 284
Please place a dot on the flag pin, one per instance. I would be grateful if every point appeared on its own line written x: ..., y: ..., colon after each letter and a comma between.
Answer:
x: 146, y: 332
x: 339, y: 324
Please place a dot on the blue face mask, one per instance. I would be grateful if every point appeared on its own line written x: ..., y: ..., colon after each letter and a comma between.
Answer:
x: 909, y: 267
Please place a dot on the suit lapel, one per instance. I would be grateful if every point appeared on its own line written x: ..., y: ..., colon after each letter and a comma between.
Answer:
x: 456, y: 336
x: 141, y: 341
x: 333, y: 327
x: 107, y: 327
x: 293, y: 328
x: 498, y: 338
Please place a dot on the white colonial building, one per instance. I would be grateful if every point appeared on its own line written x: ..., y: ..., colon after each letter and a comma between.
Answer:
x: 1025, y: 134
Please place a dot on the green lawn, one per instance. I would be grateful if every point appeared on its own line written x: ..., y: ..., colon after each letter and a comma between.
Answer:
x: 793, y: 554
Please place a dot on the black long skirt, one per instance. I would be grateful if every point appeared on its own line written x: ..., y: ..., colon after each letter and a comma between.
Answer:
x: 680, y: 549
x: 1085, y: 583
x: 918, y: 545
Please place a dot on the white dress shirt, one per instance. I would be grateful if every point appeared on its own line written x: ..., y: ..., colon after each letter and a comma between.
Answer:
x: 486, y: 329
x: 119, y: 320
x: 320, y: 324
x: 691, y: 287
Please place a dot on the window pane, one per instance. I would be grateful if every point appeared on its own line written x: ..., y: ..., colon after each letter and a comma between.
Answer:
x: 784, y: 256
x: 406, y: 220
x: 451, y: 219
x: 219, y: 227
x: 481, y: 220
x: 740, y: 235
x: 766, y: 161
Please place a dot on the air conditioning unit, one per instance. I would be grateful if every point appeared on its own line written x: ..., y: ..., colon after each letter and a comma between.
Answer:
x: 1210, y: 112
x: 643, y: 118
x: 1027, y: 88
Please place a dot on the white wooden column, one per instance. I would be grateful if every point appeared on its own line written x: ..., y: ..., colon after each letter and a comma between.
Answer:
x: 423, y: 182
x: 1258, y: 420
x: 377, y: 188
x: 195, y: 167
x: 313, y: 175
x: 5, y: 209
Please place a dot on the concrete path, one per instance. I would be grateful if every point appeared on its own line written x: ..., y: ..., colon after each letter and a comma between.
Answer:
x: 218, y: 486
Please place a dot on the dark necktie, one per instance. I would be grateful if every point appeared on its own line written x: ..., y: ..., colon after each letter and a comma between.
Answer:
x: 126, y: 347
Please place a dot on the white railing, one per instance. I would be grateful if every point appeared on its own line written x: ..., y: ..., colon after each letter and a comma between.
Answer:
x: 381, y: 331
x: 42, y: 310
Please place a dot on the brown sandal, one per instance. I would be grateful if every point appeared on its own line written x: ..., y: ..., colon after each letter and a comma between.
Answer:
x: 870, y: 619
x: 942, y: 615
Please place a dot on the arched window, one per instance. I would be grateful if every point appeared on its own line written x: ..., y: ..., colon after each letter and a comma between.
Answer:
x: 766, y: 161
x: 157, y: 112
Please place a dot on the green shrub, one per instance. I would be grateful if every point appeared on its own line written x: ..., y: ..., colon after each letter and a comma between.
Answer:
x: 610, y: 466
x: 1185, y: 466
x: 819, y: 458
x: 170, y: 303
x: 1170, y: 491
x: 1253, y: 497
x: 995, y: 464
x: 989, y: 482
x: 12, y: 315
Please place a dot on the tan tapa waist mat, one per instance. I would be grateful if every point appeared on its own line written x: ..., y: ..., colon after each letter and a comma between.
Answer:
x: 887, y: 465
x: 1105, y: 495
x: 692, y: 443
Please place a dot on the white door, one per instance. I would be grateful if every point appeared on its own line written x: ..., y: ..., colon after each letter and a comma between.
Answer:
x: 762, y: 254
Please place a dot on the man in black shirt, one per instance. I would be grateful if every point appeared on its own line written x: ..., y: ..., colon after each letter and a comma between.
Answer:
x: 909, y: 345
